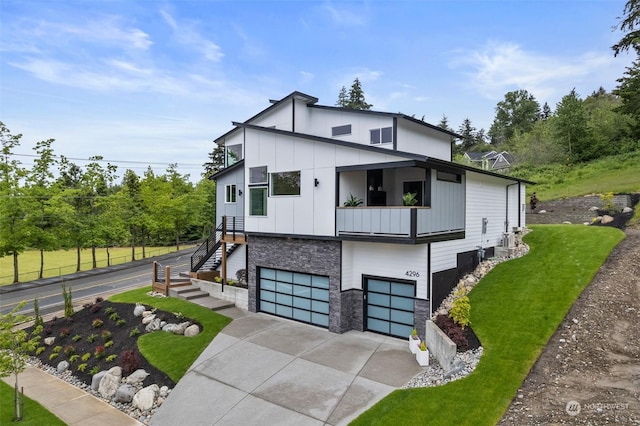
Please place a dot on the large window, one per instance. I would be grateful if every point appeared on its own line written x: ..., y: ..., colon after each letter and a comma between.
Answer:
x: 383, y: 135
x: 258, y: 201
x: 285, y: 183
x: 258, y: 175
x: 341, y: 130
x: 230, y: 194
x: 233, y: 154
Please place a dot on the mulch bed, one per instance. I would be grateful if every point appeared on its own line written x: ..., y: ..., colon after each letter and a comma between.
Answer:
x: 82, y: 324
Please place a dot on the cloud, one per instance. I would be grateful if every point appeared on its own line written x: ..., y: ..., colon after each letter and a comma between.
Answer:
x: 344, y: 17
x: 498, y: 68
x: 187, y: 35
x: 306, y: 77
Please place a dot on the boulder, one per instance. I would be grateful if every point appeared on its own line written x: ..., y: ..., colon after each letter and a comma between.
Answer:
x: 125, y: 393
x: 153, y: 325
x: 164, y: 391
x: 144, y: 398
x: 606, y: 219
x: 62, y: 366
x: 49, y: 340
x: 170, y: 328
x: 110, y: 382
x: 627, y: 210
x: 146, y: 314
x: 542, y: 212
x: 138, y: 310
x: 566, y: 222
x: 95, y: 379
x: 192, y: 330
x: 137, y: 377
x: 147, y: 319
x: 182, y: 327
x: 594, y: 209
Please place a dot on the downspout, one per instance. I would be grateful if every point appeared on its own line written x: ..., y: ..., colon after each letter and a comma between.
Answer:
x: 506, y: 207
x: 293, y: 114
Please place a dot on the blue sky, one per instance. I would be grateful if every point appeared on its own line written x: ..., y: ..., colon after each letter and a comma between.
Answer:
x: 157, y: 81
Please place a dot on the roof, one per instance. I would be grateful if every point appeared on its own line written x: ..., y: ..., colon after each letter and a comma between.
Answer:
x: 226, y: 170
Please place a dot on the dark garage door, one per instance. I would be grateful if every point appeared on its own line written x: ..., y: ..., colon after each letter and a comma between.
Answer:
x: 389, y: 306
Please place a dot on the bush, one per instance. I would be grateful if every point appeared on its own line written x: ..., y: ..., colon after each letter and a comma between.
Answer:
x: 453, y: 331
x: 111, y: 358
x: 110, y: 310
x: 129, y: 361
x: 106, y: 335
x: 86, y: 357
x: 114, y: 316
x: 95, y: 308
x: 99, y: 352
x: 53, y: 356
x: 94, y: 370
x: 64, y: 332
x: 76, y: 338
x: 96, y: 323
x: 82, y: 367
x: 40, y: 350
x: 68, y: 303
x: 74, y: 358
x: 134, y: 332
x: 461, y: 309
x: 120, y: 322
x: 108, y: 344
x: 69, y: 350
x: 92, y: 337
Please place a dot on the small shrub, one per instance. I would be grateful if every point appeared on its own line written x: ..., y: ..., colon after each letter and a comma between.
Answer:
x: 76, y: 338
x: 36, y: 313
x: 607, y: 200
x: 99, y: 299
x: 68, y: 303
x: 57, y: 349
x: 109, y: 310
x: 86, y: 356
x: 134, y: 332
x: 74, y: 358
x: 218, y: 279
x: 108, y: 344
x: 48, y: 330
x: 69, y: 350
x: 96, y: 323
x: 92, y: 337
x: 120, y: 322
x: 461, y: 309
x: 129, y: 361
x: 423, y: 346
x: 111, y: 358
x: 94, y: 370
x: 64, y: 332
x: 114, y: 316
x: 179, y: 315
x: 231, y: 282
x: 82, y: 367
x: 53, y: 356
x: 95, y: 308
x: 106, y: 335
x: 99, y: 352
x: 40, y: 350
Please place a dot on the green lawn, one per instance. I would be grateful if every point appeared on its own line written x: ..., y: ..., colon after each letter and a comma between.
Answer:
x: 61, y: 262
x: 34, y: 414
x: 514, y: 311
x: 168, y: 352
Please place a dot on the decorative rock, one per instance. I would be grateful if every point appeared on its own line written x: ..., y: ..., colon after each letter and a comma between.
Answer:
x: 606, y: 219
x: 164, y: 391
x: 148, y: 318
x: 144, y: 398
x: 566, y: 222
x: 162, y: 323
x: 627, y: 210
x: 138, y: 310
x: 170, y: 328
x: 62, y: 366
x: 593, y: 209
x: 146, y: 313
x: 137, y: 377
x: 125, y: 393
x: 542, y: 212
x: 182, y: 327
x: 110, y: 382
x: 49, y: 340
x: 192, y: 330
x: 153, y: 325
x: 95, y: 379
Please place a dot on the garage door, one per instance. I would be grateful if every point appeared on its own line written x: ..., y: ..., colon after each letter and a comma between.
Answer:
x: 389, y: 306
x: 302, y: 297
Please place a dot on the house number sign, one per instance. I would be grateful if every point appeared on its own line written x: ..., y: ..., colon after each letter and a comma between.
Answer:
x: 414, y: 274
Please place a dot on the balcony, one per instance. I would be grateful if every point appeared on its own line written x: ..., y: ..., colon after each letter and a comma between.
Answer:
x: 398, y: 224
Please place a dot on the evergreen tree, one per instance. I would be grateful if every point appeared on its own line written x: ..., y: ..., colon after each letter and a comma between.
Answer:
x: 444, y: 123
x: 546, y: 112
x: 629, y: 24
x: 629, y: 92
x: 468, y: 133
x: 354, y: 98
x: 343, y: 98
x: 571, y: 129
x: 216, y: 161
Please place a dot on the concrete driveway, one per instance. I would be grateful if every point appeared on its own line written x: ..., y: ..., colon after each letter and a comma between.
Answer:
x: 264, y: 370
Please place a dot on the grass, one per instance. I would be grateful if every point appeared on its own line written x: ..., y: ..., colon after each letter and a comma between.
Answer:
x: 34, y: 414
x: 61, y: 262
x: 170, y: 353
x: 618, y: 174
x: 514, y: 311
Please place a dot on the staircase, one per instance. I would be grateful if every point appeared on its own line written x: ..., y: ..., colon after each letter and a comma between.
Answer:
x: 209, y: 255
x: 193, y: 294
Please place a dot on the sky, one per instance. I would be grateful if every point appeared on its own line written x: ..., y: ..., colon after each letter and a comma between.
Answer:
x: 155, y: 82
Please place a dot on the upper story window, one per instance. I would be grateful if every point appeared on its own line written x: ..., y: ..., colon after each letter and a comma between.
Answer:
x: 448, y: 176
x: 341, y: 130
x: 285, y: 183
x: 233, y: 154
x: 230, y: 193
x: 258, y: 175
x: 383, y: 135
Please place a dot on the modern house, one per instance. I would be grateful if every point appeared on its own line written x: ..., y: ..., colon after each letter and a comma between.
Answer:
x: 492, y: 160
x: 380, y: 266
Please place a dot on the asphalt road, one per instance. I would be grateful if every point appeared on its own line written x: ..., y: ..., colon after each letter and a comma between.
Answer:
x: 86, y: 286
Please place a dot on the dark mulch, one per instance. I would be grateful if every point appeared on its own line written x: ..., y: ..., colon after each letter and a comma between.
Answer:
x: 465, y: 339
x: 619, y: 219
x: 80, y: 324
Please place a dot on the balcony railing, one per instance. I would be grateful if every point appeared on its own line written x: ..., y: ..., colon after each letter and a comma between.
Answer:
x: 395, y: 221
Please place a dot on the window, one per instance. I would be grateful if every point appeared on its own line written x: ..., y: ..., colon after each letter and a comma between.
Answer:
x: 258, y: 201
x: 341, y: 130
x: 233, y: 154
x: 448, y: 176
x: 230, y: 194
x: 383, y: 135
x: 285, y: 183
x: 258, y: 175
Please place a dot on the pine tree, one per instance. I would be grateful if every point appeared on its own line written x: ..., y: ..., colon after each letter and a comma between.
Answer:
x: 354, y: 98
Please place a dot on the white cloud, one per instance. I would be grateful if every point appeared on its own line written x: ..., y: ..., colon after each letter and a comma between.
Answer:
x: 187, y: 35
x: 344, y: 17
x: 501, y: 67
x: 306, y: 77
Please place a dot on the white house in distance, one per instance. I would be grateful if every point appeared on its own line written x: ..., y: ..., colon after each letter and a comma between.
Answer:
x: 380, y: 266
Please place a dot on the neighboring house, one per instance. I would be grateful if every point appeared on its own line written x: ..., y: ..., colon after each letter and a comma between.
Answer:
x: 380, y: 267
x: 494, y: 161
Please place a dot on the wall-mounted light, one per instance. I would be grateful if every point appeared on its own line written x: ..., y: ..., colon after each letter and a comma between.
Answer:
x: 240, y: 192
x: 316, y: 182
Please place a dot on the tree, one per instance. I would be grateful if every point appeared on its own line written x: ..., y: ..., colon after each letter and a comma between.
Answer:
x: 571, y: 129
x: 628, y: 24
x: 354, y: 98
x: 538, y: 146
x: 468, y: 133
x: 517, y: 112
x: 444, y: 123
x: 546, y: 112
x: 629, y: 92
x: 216, y: 162
x: 15, y: 345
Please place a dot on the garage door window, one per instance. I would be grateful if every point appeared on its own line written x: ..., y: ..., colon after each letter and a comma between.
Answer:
x: 390, y: 307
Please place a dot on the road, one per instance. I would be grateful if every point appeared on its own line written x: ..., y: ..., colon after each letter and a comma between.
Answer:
x: 85, y: 288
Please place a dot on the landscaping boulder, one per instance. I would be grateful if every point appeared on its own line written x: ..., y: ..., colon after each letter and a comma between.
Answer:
x: 139, y: 310
x: 125, y: 393
x: 110, y: 382
x: 627, y: 210
x: 606, y: 219
x: 170, y: 328
x: 153, y: 325
x: 192, y: 330
x: 95, y: 379
x: 182, y: 327
x: 62, y: 366
x: 147, y: 319
x: 144, y: 398
x: 164, y: 391
x: 137, y: 377
x: 49, y: 340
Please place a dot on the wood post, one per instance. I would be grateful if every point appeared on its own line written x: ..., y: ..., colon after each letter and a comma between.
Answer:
x: 167, y: 280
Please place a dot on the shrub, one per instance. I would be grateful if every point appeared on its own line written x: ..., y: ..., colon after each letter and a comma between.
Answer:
x: 114, y: 316
x: 64, y: 332
x: 111, y: 358
x: 68, y: 303
x: 453, y: 331
x: 82, y: 367
x: 99, y: 352
x: 607, y: 200
x: 99, y: 299
x: 218, y: 279
x: 96, y: 323
x: 36, y: 312
x: 86, y: 356
x: 76, y: 338
x: 129, y: 361
x: 109, y: 310
x: 53, y: 356
x: 106, y: 335
x: 74, y: 358
x: 95, y: 308
x: 69, y: 350
x: 40, y: 350
x: 48, y: 330
x: 92, y: 337
x: 134, y: 332
x: 120, y: 322
x: 108, y: 344
x: 461, y: 309
x: 57, y: 349
x: 94, y: 370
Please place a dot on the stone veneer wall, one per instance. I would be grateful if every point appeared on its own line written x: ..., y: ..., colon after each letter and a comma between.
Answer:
x: 319, y: 257
x: 421, y: 314
x: 352, y: 310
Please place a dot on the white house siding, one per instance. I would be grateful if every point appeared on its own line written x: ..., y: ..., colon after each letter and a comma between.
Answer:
x: 413, y: 137
x: 280, y: 117
x: 230, y: 209
x: 235, y: 261
x: 323, y: 119
x: 385, y: 260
